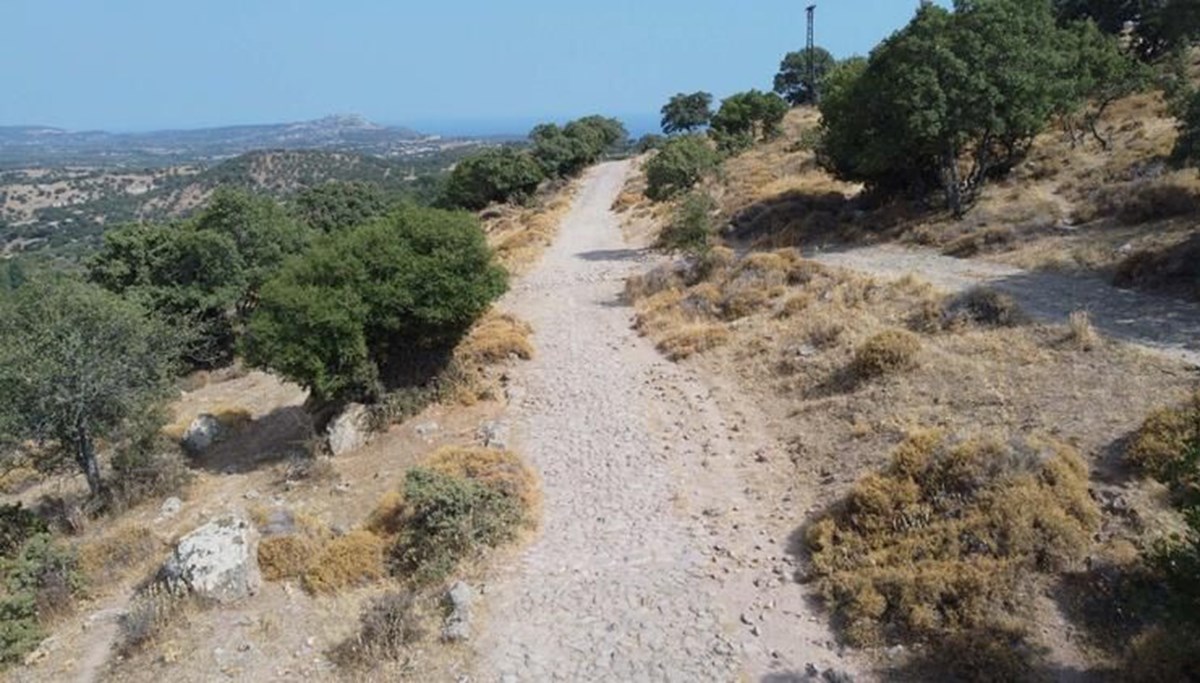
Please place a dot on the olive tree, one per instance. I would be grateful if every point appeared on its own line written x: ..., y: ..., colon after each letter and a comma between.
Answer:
x: 77, y: 365
x: 685, y: 113
x: 795, y: 80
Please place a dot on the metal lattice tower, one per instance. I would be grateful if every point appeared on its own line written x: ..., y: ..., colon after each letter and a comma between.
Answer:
x: 810, y: 51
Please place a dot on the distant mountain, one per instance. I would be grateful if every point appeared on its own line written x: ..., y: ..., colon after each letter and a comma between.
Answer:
x: 45, y: 146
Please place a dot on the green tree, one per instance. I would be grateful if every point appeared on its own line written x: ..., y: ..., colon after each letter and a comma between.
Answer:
x: 746, y: 118
x: 1158, y: 26
x: 691, y: 228
x: 949, y: 101
x: 793, y: 80
x: 1098, y: 74
x: 500, y: 174
x: 375, y: 306
x: 685, y: 113
x: 678, y: 166
x: 338, y: 206
x: 262, y: 232
x: 77, y: 365
x: 566, y: 151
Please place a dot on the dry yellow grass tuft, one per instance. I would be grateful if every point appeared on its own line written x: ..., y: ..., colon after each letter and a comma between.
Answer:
x: 1163, y: 438
x: 520, y: 234
x: 286, y: 556
x: 949, y: 537
x: 499, y: 470
x: 1081, y: 334
x: 355, y: 559
x: 109, y: 558
x: 497, y: 337
x: 886, y: 353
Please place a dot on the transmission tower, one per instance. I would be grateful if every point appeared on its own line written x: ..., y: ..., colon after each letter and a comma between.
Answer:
x: 810, y: 50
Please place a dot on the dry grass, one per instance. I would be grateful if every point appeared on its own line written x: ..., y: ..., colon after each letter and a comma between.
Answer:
x: 497, y: 338
x: 110, y: 558
x: 286, y: 556
x: 1163, y: 438
x: 1081, y: 334
x: 355, y: 559
x: 502, y: 471
x: 948, y: 538
x: 520, y: 234
x: 885, y: 353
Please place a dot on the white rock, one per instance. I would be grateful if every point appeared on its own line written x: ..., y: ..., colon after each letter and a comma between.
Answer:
x: 204, y: 431
x: 218, y: 561
x: 170, y: 507
x: 350, y: 430
x: 459, y: 599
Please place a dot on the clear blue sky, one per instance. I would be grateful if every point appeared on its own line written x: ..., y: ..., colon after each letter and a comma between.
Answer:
x: 450, y: 64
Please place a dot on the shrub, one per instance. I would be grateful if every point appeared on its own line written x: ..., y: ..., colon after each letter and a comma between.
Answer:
x: 346, y: 561
x: 18, y: 525
x: 1158, y: 447
x: 984, y: 306
x: 691, y: 227
x: 944, y: 540
x: 495, y: 175
x: 499, y: 470
x: 387, y: 626
x: 377, y: 306
x: 449, y: 519
x: 340, y: 206
x: 287, y: 556
x: 105, y: 560
x: 152, y: 610
x: 885, y: 353
x: 39, y: 581
x: 680, y: 164
x: 1187, y: 145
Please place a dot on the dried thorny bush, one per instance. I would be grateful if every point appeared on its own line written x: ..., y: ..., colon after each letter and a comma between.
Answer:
x: 387, y: 627
x: 948, y: 539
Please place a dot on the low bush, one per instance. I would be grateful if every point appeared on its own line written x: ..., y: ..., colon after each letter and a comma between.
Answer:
x: 681, y: 163
x: 449, y: 519
x: 38, y: 582
x: 984, y: 306
x: 17, y: 525
x: 105, y: 560
x: 286, y: 556
x: 1159, y: 446
x: 387, y: 627
x: 352, y: 560
x: 502, y: 471
x: 949, y: 537
x: 496, y: 175
x: 691, y: 228
x: 152, y: 610
x: 885, y: 353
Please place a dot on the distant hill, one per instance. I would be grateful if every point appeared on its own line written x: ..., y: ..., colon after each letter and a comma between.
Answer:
x: 22, y: 146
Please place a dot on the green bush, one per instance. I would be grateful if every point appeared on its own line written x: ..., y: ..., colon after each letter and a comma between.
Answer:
x: 39, y: 582
x: 375, y: 307
x: 18, y: 525
x: 449, y: 519
x: 566, y: 151
x: 678, y: 166
x: 691, y: 228
x: 496, y: 175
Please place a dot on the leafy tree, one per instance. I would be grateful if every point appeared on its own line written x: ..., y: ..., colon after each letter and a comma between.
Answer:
x: 1100, y: 74
x: 566, y: 151
x: 338, y: 206
x: 600, y: 133
x: 262, y: 232
x: 1159, y: 26
x: 500, y: 174
x: 687, y: 113
x: 77, y: 365
x: 746, y: 118
x: 1187, y: 145
x: 792, y: 81
x: 375, y: 306
x: 649, y: 142
x: 678, y: 166
x: 949, y: 101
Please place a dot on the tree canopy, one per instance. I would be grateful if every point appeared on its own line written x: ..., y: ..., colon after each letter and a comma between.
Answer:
x: 678, y: 165
x: 793, y: 80
x: 495, y: 175
x: 375, y: 306
x: 746, y: 118
x: 953, y: 98
x: 686, y: 113
x: 1157, y: 26
x: 77, y: 365
x: 337, y: 206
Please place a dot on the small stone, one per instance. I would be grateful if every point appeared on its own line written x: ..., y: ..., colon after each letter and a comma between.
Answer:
x: 426, y: 429
x: 202, y: 433
x: 170, y: 507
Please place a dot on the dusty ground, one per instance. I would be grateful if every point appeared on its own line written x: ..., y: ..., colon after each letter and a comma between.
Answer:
x: 659, y: 558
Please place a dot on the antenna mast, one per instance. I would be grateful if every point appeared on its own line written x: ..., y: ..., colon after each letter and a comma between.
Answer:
x: 810, y: 50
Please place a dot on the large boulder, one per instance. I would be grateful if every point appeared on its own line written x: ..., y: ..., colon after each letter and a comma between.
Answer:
x: 350, y: 430
x: 204, y: 431
x: 218, y: 561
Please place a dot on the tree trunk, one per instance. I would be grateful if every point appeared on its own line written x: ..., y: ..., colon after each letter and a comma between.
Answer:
x: 950, y: 183
x: 85, y: 456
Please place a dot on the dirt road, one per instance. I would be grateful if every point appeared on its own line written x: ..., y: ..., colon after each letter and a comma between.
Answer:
x: 1163, y: 324
x: 649, y: 564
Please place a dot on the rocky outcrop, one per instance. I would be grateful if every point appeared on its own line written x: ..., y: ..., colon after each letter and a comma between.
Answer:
x: 350, y: 430
x: 218, y: 561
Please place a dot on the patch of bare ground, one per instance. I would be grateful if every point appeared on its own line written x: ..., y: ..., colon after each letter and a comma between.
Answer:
x: 847, y: 368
